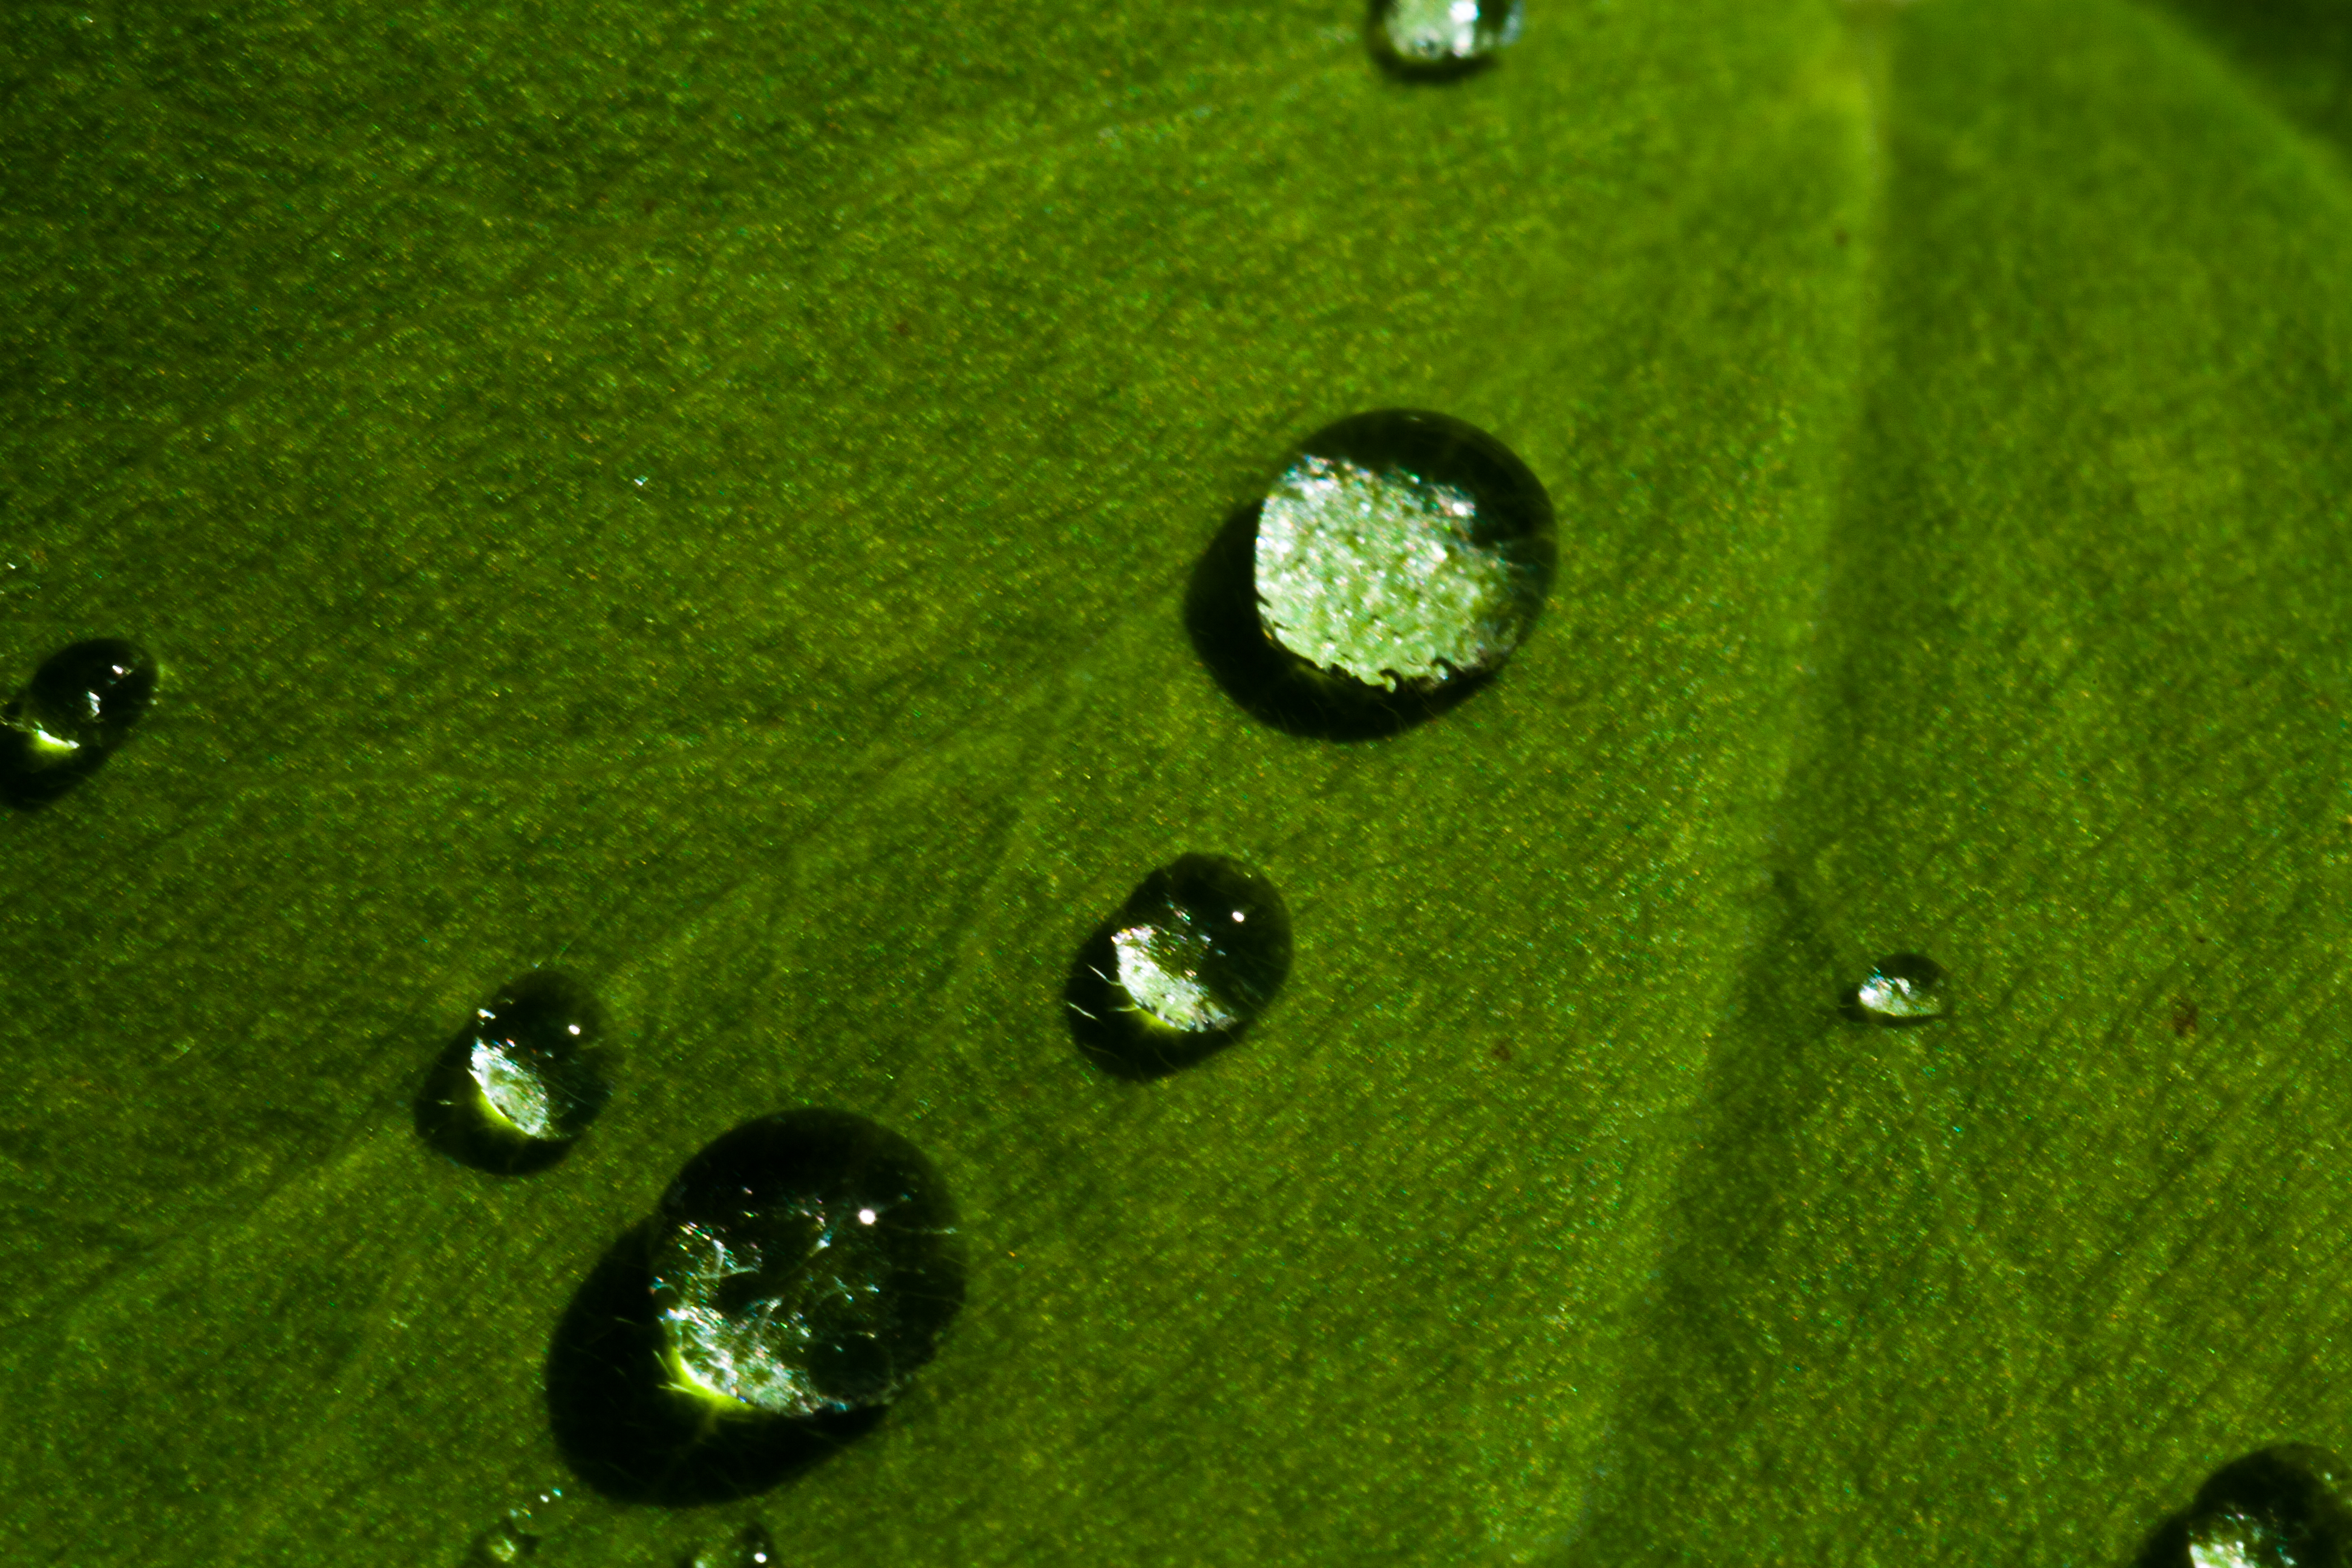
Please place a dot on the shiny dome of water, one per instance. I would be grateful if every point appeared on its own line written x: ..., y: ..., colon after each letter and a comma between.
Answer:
x: 523, y: 1080
x: 1404, y: 550
x: 2283, y: 1506
x: 1903, y: 988
x: 1190, y: 960
x: 1436, y: 38
x: 804, y: 1263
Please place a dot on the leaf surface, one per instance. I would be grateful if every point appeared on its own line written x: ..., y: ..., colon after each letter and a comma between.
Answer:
x: 703, y: 496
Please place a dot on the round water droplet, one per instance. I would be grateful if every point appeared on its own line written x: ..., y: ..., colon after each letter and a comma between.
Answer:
x: 1404, y: 550
x: 79, y: 707
x: 1442, y: 38
x: 2280, y: 1508
x: 774, y: 1294
x: 1192, y: 957
x: 523, y: 1080
x: 1902, y: 989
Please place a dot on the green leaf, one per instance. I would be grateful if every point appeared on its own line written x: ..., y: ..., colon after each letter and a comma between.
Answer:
x: 701, y: 496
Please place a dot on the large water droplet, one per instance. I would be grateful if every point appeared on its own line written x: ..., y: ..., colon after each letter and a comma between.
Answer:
x: 2285, y: 1507
x: 522, y: 1080
x: 805, y: 1264
x: 1192, y: 957
x: 1902, y: 989
x: 1395, y: 565
x: 79, y: 707
x: 1437, y: 39
x: 1406, y: 549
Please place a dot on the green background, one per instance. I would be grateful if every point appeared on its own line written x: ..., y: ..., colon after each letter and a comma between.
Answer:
x: 701, y: 495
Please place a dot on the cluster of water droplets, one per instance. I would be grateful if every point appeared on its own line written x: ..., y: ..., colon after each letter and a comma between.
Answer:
x: 807, y: 1264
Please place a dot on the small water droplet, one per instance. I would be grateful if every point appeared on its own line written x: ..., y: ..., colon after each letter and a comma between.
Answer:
x: 513, y: 1089
x: 78, y: 708
x: 775, y: 1294
x: 504, y: 1541
x: 1188, y: 961
x: 1902, y: 989
x: 1395, y: 565
x: 1438, y: 39
x: 2284, y: 1507
x: 749, y: 1547
x: 518, y: 1534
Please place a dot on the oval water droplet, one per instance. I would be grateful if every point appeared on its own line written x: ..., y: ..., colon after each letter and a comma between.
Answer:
x: 1192, y: 959
x: 78, y: 708
x: 2285, y: 1507
x: 1440, y: 38
x: 777, y: 1294
x: 1903, y: 988
x: 1396, y: 563
x: 522, y: 1080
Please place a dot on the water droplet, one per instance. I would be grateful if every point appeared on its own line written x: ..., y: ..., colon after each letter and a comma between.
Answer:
x: 1902, y: 989
x: 513, y: 1090
x: 749, y: 1547
x: 2284, y: 1507
x: 1395, y: 565
x: 773, y: 1293
x: 523, y: 1529
x: 1188, y: 961
x: 1405, y: 550
x: 79, y: 707
x: 1437, y: 38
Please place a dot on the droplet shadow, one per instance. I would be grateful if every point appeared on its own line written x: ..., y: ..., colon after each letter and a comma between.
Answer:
x: 628, y: 1433
x: 1108, y: 1034
x: 1268, y: 681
